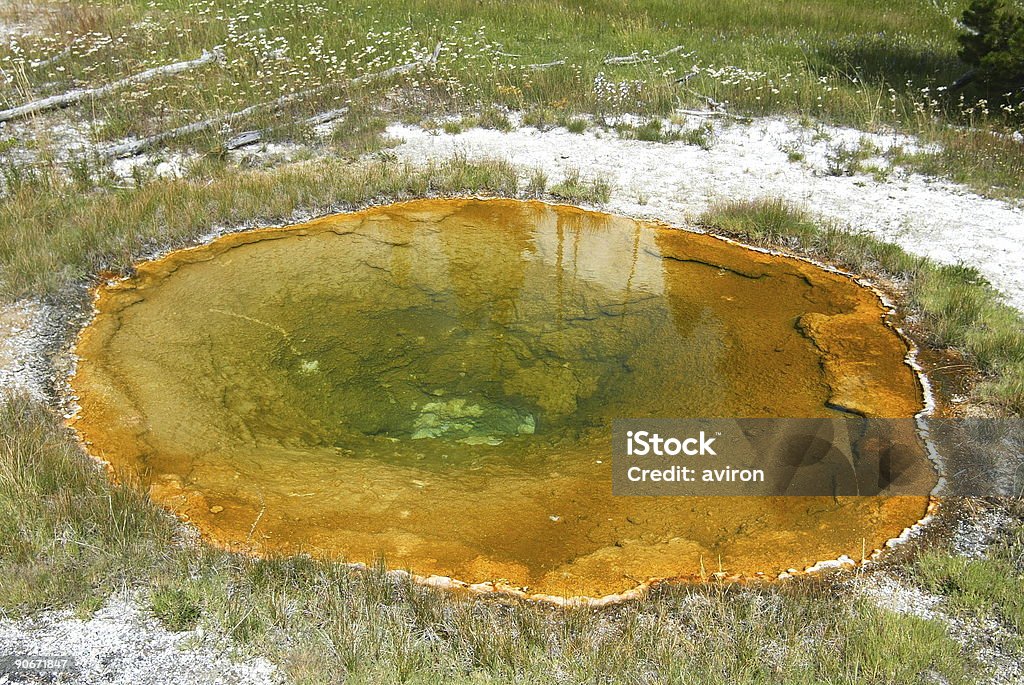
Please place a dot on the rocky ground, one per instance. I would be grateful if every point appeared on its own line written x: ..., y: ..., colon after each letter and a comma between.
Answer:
x: 988, y: 639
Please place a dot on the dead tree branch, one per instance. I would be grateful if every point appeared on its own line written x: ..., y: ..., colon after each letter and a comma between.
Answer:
x: 545, y: 65
x: 75, y: 96
x: 134, y: 147
x: 53, y: 59
x: 639, y: 58
x: 246, y: 138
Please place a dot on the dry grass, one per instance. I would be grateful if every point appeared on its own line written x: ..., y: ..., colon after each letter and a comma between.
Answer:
x: 68, y: 536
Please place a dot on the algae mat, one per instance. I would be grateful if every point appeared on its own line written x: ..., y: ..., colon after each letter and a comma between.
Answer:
x: 434, y: 382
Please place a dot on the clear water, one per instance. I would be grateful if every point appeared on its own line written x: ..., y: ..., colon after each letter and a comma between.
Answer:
x: 433, y: 382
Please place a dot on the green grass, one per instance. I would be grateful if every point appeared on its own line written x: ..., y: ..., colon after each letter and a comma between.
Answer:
x: 865, y: 63
x: 64, y: 530
x: 956, y: 307
x: 990, y: 161
x: 325, y: 622
x: 576, y: 125
x: 577, y: 190
x: 51, y: 235
x: 989, y: 587
x: 537, y: 183
x: 177, y: 608
x: 773, y: 59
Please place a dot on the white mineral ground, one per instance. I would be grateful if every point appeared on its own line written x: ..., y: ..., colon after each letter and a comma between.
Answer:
x: 122, y: 644
x: 675, y: 182
x: 670, y: 182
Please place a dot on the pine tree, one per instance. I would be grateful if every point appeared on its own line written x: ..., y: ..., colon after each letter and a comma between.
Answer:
x: 992, y: 43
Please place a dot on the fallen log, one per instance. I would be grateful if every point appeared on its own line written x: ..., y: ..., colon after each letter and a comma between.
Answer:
x: 243, y: 139
x: 545, y: 65
x: 75, y: 96
x: 637, y: 59
x: 393, y: 71
x: 710, y: 113
x: 134, y: 147
x: 325, y: 117
x: 53, y: 59
x: 246, y: 138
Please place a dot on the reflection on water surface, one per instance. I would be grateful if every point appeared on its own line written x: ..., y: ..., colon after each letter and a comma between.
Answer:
x: 434, y: 382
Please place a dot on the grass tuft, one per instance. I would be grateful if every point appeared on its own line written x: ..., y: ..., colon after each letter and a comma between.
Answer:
x: 574, y: 188
x: 66, y: 533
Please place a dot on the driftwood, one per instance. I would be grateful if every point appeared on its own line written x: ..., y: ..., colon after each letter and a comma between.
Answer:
x: 637, y: 59
x: 252, y: 137
x: 709, y: 113
x: 75, y: 96
x: 719, y: 107
x: 325, y: 117
x: 134, y: 147
x: 400, y: 69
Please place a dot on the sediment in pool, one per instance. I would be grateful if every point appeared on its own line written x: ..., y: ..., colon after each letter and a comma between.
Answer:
x: 433, y: 382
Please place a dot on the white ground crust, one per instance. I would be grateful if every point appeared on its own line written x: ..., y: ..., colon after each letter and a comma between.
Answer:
x: 23, y: 364
x: 938, y: 219
x: 121, y: 645
x: 989, y: 640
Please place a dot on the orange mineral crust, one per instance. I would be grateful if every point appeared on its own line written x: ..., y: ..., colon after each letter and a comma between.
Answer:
x: 434, y: 382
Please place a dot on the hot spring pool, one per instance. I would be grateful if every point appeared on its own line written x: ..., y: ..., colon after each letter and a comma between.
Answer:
x: 433, y: 383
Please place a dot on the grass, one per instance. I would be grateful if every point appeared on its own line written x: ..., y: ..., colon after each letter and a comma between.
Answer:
x: 991, y: 586
x: 989, y: 161
x: 954, y: 304
x: 656, y: 131
x: 537, y: 183
x: 844, y: 160
x: 65, y: 531
x: 325, y: 622
x: 578, y: 190
x: 51, y: 235
x: 775, y: 60
x: 866, y: 63
x: 576, y: 125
